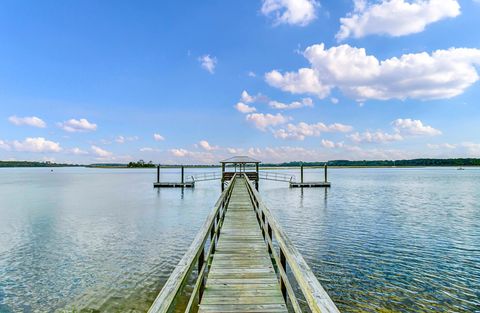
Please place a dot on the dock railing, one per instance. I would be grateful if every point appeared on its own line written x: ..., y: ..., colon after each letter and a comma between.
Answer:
x: 200, y: 253
x: 205, y: 176
x: 276, y: 176
x: 316, y: 297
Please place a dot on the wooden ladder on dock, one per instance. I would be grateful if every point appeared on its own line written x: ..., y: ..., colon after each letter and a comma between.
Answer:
x: 238, y: 266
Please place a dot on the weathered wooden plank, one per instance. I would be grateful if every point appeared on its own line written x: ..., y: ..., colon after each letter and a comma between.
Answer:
x: 317, y: 298
x: 250, y: 308
x: 177, y: 279
x: 242, y: 277
x: 239, y: 299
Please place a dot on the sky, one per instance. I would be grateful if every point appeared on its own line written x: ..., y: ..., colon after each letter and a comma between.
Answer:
x: 182, y: 82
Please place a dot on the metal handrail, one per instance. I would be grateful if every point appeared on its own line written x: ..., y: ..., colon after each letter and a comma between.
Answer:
x: 195, y: 254
x: 276, y: 176
x: 204, y: 176
x: 317, y: 298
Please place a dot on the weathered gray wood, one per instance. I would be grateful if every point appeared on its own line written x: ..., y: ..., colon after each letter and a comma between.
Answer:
x: 174, y: 185
x: 310, y: 184
x: 242, y: 277
x: 238, y: 268
x: 317, y: 298
x: 177, y: 279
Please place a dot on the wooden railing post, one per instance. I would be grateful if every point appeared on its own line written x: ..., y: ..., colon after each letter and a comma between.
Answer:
x: 270, y: 236
x: 201, y: 260
x: 158, y: 173
x: 218, y: 223
x: 283, y: 263
x: 263, y: 224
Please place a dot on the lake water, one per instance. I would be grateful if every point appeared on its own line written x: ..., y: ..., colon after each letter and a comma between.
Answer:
x: 103, y: 240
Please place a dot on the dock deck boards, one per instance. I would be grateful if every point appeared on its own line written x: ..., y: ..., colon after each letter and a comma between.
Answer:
x: 242, y: 277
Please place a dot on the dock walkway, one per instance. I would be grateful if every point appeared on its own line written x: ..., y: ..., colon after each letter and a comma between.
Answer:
x: 239, y: 268
x: 242, y: 277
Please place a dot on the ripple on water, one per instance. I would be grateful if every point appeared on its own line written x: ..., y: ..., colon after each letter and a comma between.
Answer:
x: 379, y: 240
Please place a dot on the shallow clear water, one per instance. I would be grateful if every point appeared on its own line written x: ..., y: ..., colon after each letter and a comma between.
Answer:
x: 379, y: 240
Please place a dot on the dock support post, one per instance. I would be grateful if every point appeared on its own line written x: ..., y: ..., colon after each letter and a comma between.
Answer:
x: 158, y: 173
x: 325, y: 171
x: 301, y: 173
x: 183, y: 176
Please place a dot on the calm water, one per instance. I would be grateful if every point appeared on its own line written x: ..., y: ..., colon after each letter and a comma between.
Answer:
x: 380, y: 240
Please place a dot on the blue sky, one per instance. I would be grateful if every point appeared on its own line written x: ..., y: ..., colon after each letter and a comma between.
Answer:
x: 199, y: 81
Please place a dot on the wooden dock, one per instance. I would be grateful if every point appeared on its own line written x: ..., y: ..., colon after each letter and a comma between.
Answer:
x: 241, y: 277
x: 310, y: 184
x: 239, y: 269
x: 174, y: 184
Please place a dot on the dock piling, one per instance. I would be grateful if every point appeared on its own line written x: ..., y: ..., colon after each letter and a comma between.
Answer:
x: 301, y: 173
x: 181, y: 184
x: 303, y: 184
x: 325, y: 172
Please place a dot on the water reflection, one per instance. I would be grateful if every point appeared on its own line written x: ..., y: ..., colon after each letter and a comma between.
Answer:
x: 379, y: 240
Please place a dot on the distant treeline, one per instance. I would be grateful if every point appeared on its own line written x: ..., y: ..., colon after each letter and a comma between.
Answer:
x: 340, y: 163
x: 377, y: 163
x: 141, y: 164
x: 34, y: 164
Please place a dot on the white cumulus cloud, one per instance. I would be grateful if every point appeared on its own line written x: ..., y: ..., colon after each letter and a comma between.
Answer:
x: 179, y: 152
x: 77, y: 151
x: 158, y: 137
x: 262, y: 121
x: 395, y: 17
x: 38, y: 144
x: 330, y: 144
x: 122, y: 139
x: 4, y: 145
x: 441, y: 146
x: 376, y: 137
x: 208, y: 63
x: 414, y: 128
x: 244, y: 108
x: 102, y: 153
x: 205, y: 145
x: 440, y: 75
x: 245, y: 97
x: 293, y: 12
x: 402, y: 128
x: 305, y: 102
x: 306, y: 80
x: 81, y: 125
x: 28, y: 120
x: 301, y: 130
x: 149, y: 149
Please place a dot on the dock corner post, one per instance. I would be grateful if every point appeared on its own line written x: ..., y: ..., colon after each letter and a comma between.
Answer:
x: 325, y: 172
x: 183, y: 176
x: 158, y: 173
x: 301, y: 172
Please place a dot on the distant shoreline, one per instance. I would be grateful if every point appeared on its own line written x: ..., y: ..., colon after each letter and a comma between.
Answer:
x: 413, y: 163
